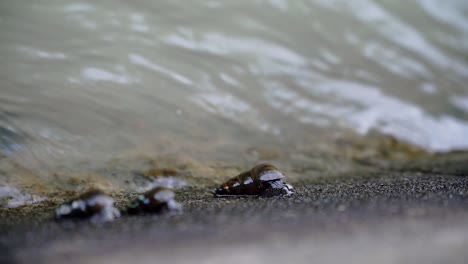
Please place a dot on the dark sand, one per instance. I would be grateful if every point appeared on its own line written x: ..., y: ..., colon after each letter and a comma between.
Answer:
x: 414, y: 212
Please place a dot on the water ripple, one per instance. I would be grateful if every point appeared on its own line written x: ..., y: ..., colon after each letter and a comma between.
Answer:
x: 97, y: 74
x: 140, y: 60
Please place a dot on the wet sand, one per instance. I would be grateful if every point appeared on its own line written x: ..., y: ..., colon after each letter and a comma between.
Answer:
x: 401, y: 213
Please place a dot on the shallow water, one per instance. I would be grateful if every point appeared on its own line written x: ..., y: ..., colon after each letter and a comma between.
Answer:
x: 87, y: 81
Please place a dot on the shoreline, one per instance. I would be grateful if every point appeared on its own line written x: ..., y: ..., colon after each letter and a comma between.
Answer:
x: 323, y: 210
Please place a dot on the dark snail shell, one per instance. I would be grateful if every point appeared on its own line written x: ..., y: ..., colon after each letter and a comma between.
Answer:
x: 94, y: 205
x: 261, y: 180
x: 156, y: 200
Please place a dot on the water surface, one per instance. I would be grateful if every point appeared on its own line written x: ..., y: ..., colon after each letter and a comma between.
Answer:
x: 87, y: 81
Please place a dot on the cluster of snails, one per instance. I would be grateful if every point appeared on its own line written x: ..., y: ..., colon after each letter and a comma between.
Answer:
x: 98, y: 207
x: 262, y: 180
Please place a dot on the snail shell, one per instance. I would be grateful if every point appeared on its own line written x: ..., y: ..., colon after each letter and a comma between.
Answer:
x: 156, y: 200
x: 93, y: 204
x: 263, y: 179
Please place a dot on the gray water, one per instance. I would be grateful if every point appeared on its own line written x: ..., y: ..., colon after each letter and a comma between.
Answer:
x: 89, y: 80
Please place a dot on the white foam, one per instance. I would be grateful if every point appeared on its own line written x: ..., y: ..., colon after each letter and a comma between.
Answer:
x: 224, y: 104
x: 365, y: 107
x: 399, y: 32
x: 96, y: 74
x: 42, y: 53
x: 450, y: 12
x: 12, y: 197
x: 222, y: 44
x: 167, y: 182
x: 78, y: 7
x: 396, y: 117
x: 138, y: 59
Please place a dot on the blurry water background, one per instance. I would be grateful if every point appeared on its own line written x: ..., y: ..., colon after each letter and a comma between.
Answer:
x: 84, y: 81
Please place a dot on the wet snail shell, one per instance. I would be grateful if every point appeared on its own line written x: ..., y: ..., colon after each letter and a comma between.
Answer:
x: 94, y: 205
x: 156, y: 200
x: 261, y: 180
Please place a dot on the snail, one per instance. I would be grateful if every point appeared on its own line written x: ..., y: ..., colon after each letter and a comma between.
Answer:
x: 157, y: 200
x: 261, y: 180
x: 93, y: 204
